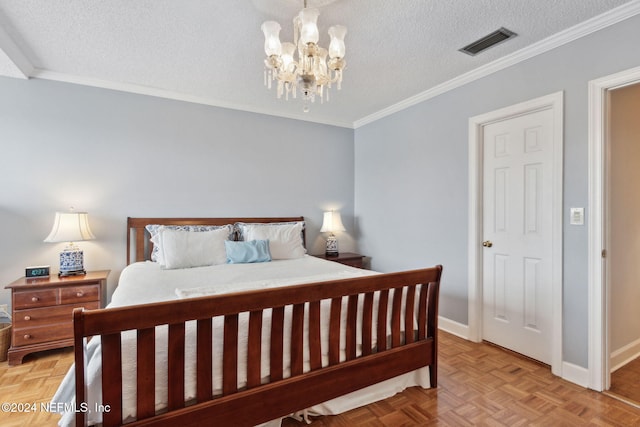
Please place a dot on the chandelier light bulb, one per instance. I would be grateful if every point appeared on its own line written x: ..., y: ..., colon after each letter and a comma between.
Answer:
x: 272, y: 45
x: 309, y: 28
x: 337, y: 47
x: 288, y: 50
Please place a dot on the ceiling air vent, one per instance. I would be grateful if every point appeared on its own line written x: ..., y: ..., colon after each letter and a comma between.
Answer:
x: 488, y: 41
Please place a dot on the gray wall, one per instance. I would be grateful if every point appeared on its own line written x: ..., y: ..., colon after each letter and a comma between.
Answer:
x: 412, y: 168
x: 116, y: 154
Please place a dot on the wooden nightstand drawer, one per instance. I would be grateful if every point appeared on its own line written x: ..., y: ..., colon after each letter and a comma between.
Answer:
x: 76, y: 294
x: 38, y: 334
x: 48, y: 315
x: 35, y: 298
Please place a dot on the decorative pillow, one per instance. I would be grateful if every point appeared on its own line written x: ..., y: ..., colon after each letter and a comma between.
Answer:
x: 185, y: 249
x: 154, y: 230
x: 246, y: 252
x: 285, y: 238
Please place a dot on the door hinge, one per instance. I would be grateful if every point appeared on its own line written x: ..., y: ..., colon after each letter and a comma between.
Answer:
x: 604, y: 253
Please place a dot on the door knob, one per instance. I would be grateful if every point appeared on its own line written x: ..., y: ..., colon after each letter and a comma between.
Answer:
x: 487, y: 243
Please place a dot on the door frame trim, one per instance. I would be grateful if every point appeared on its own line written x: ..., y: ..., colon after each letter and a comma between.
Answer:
x: 598, y: 290
x: 554, y: 102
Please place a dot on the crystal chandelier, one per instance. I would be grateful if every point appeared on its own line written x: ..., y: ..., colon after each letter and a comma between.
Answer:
x: 309, y: 72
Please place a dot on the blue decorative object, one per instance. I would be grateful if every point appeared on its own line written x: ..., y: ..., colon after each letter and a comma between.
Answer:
x: 71, y: 262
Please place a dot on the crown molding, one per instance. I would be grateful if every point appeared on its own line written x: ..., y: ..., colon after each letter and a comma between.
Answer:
x: 172, y: 95
x: 559, y: 39
x: 22, y: 67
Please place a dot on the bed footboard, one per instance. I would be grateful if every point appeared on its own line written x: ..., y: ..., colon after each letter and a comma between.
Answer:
x: 389, y: 323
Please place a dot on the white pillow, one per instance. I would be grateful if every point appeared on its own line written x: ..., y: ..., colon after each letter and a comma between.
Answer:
x: 285, y: 239
x: 185, y: 249
x: 154, y: 231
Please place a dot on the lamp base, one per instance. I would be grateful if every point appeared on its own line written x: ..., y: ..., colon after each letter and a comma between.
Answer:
x: 71, y: 262
x: 72, y: 273
x: 332, y: 246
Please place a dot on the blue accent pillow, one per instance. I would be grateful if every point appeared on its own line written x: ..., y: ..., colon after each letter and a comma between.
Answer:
x: 246, y: 252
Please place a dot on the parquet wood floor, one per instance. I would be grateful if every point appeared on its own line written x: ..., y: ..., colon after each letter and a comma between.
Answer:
x: 33, y: 382
x: 479, y: 384
x: 625, y: 382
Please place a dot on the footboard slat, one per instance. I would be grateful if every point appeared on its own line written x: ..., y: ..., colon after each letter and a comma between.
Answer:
x: 204, y: 346
x: 396, y: 313
x: 254, y: 345
x: 315, y: 347
x: 352, y: 318
x: 277, y: 343
x: 409, y: 313
x: 367, y: 324
x: 146, y: 373
x: 175, y: 363
x: 297, y: 343
x: 112, y: 379
x: 334, y: 331
x: 230, y: 355
x: 422, y: 312
x: 383, y: 304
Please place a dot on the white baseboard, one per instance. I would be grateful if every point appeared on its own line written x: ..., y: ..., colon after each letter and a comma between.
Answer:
x: 453, y: 327
x: 575, y: 374
x: 624, y: 355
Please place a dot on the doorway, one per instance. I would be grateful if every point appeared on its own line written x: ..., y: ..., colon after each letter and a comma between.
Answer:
x: 482, y: 299
x: 614, y: 153
x: 623, y: 225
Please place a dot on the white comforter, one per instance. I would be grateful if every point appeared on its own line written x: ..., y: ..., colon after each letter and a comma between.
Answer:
x: 146, y: 282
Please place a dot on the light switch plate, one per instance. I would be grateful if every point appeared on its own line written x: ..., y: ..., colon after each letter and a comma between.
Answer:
x: 577, y: 216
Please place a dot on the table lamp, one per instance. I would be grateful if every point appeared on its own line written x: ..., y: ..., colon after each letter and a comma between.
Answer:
x: 331, y: 223
x: 70, y: 227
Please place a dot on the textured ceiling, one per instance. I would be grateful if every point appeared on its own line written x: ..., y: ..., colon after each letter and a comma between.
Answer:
x: 212, y: 51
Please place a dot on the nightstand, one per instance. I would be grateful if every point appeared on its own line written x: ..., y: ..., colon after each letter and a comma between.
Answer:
x: 346, y: 258
x: 42, y: 310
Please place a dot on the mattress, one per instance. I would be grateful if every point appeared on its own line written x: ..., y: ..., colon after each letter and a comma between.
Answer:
x: 146, y: 282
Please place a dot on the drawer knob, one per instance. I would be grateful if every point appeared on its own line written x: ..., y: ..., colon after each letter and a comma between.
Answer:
x: 79, y: 294
x: 27, y: 337
x: 35, y: 299
x: 27, y: 317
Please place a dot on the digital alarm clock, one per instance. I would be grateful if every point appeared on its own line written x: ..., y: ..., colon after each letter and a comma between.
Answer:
x: 36, y: 271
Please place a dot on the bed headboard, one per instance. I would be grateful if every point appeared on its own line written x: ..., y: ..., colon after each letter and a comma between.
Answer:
x: 138, y: 237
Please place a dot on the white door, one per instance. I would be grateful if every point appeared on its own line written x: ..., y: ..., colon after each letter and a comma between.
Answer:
x: 517, y: 234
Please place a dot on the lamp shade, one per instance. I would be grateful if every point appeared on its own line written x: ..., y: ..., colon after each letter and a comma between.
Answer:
x: 70, y: 227
x: 332, y: 222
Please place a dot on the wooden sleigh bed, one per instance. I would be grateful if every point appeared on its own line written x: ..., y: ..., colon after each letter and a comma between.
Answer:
x: 379, y: 327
